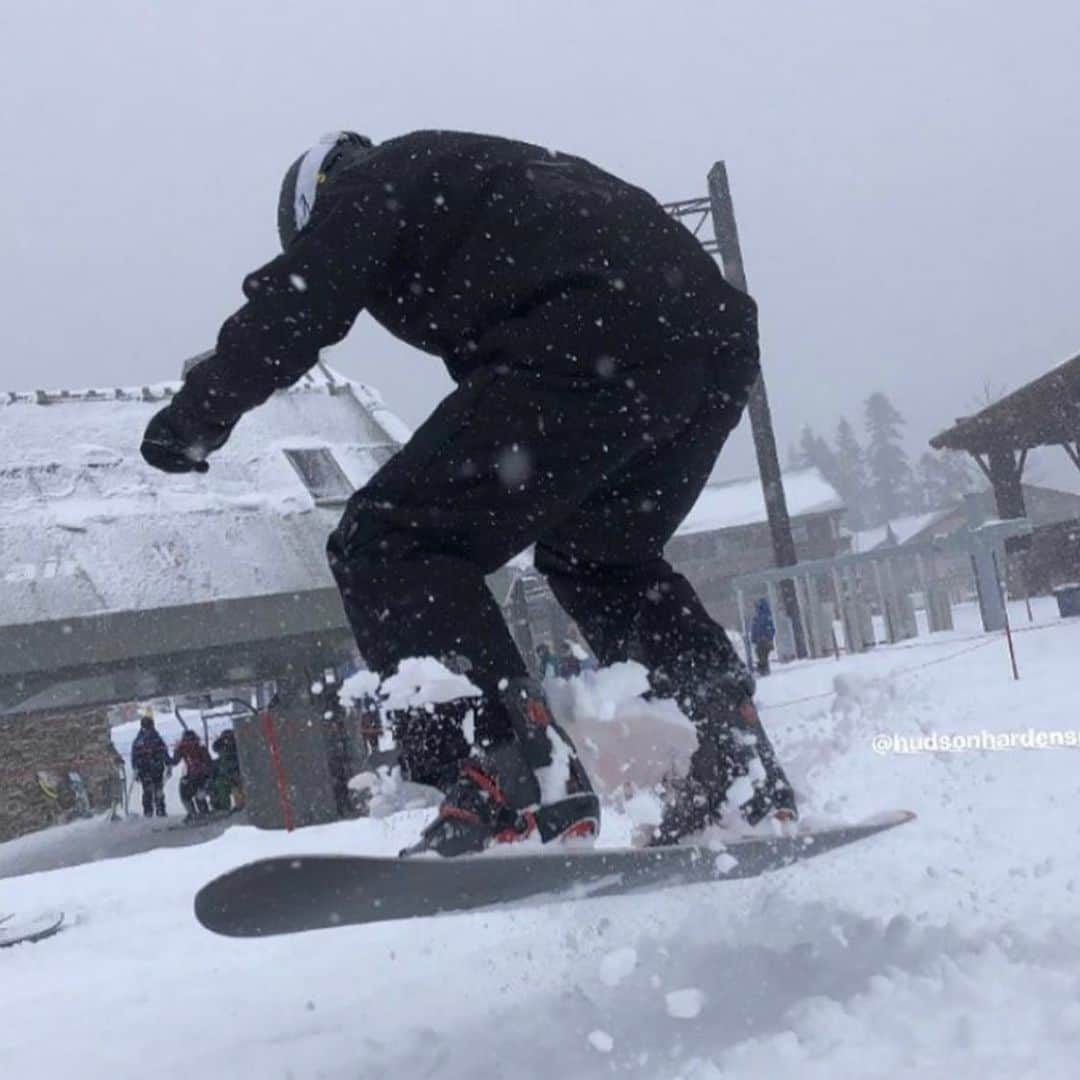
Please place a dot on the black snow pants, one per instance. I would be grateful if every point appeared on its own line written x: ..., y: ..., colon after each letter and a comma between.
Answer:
x: 590, y: 439
x: 195, y: 794
x: 153, y: 793
x: 762, y: 649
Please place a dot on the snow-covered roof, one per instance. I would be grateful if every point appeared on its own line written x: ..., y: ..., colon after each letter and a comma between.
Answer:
x: 1044, y: 506
x: 737, y: 503
x: 86, y: 527
x: 901, y: 529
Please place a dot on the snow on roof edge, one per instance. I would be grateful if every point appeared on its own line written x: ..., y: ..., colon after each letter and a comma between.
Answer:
x: 320, y: 377
x: 740, y: 502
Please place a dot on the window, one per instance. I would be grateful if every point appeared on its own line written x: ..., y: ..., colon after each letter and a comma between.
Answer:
x: 321, y: 474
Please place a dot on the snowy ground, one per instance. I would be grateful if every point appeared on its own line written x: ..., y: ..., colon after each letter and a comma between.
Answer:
x: 948, y: 948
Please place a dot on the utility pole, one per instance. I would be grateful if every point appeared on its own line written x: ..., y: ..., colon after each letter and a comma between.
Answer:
x: 727, y: 246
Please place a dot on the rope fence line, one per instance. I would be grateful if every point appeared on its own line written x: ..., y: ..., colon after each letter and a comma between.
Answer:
x: 982, y: 641
x: 982, y: 644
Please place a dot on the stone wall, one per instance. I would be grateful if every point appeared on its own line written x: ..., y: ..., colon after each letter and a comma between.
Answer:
x: 48, y: 746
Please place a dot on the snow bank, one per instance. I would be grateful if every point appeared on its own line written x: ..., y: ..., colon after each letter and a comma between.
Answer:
x: 949, y: 948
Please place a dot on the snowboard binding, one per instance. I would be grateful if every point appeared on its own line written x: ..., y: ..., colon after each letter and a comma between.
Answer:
x: 734, y: 761
x: 532, y: 784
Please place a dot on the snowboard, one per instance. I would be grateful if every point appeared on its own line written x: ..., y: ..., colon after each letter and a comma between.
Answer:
x: 16, y: 929
x: 288, y: 894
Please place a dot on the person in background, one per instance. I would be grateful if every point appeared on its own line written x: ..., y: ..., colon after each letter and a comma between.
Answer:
x: 199, y: 768
x: 569, y: 664
x: 546, y: 660
x: 581, y: 650
x: 370, y: 725
x: 149, y: 760
x: 762, y: 635
x: 228, y: 786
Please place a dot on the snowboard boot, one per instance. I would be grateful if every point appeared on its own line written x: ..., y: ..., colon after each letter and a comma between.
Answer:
x: 530, y: 784
x: 734, y: 764
x: 423, y: 764
x: 430, y: 742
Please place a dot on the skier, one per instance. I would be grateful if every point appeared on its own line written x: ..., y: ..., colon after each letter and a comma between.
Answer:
x: 198, y: 770
x: 601, y: 362
x: 149, y: 760
x: 762, y: 634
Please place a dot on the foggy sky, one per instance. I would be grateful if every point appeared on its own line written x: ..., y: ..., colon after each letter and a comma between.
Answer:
x: 904, y: 173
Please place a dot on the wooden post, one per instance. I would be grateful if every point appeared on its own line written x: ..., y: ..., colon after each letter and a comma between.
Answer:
x: 742, y: 628
x: 841, y: 611
x: 884, y: 605
x: 727, y: 242
x: 1008, y: 629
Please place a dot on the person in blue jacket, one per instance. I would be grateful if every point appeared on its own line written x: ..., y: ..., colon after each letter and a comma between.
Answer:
x: 149, y: 760
x: 762, y: 635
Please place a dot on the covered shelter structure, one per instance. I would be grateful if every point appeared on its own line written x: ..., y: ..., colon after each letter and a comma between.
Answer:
x: 119, y: 584
x: 1043, y: 412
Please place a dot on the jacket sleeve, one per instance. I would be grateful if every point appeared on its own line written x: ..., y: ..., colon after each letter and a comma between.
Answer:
x: 301, y: 302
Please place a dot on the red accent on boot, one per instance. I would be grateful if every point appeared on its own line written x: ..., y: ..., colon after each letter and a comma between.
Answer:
x: 513, y: 834
x: 579, y: 830
x: 482, y: 780
x: 537, y: 713
x: 749, y: 714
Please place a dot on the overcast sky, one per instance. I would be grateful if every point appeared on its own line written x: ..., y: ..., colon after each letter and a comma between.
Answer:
x: 904, y: 172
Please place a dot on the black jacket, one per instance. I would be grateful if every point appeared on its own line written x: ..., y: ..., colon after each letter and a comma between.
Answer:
x: 447, y: 239
x: 149, y: 754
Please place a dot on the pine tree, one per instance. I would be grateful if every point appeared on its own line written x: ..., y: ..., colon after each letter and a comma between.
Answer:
x: 806, y: 448
x: 851, y: 478
x: 815, y: 451
x: 944, y: 479
x: 891, y: 480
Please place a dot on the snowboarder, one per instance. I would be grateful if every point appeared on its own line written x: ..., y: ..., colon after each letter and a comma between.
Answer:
x: 149, y: 760
x: 198, y: 771
x: 762, y: 634
x: 601, y: 362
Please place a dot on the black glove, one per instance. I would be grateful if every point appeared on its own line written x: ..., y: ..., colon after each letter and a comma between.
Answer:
x: 173, y: 444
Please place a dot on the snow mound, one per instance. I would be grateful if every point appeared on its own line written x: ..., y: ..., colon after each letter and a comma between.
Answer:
x: 949, y: 948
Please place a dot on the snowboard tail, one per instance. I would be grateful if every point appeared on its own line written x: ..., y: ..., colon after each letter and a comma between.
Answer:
x: 290, y: 894
x: 22, y: 929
